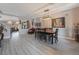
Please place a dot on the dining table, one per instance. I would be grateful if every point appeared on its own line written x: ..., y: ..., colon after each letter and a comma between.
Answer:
x: 45, y: 34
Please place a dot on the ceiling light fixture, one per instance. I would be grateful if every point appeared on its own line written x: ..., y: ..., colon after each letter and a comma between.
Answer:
x: 46, y: 10
x: 9, y: 22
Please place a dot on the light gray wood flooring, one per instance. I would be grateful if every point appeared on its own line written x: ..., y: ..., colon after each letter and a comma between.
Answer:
x: 25, y: 44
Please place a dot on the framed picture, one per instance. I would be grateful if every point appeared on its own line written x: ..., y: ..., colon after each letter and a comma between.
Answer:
x: 58, y: 22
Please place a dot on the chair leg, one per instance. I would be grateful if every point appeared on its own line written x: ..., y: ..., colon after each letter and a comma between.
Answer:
x: 2, y: 36
x: 35, y: 35
x: 47, y: 39
x: 52, y: 41
x: 56, y: 39
x: 0, y: 43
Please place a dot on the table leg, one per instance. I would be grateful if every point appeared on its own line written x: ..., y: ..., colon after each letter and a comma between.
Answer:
x: 52, y: 40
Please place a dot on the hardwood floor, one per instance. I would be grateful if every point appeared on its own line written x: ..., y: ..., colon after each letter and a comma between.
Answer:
x: 24, y: 44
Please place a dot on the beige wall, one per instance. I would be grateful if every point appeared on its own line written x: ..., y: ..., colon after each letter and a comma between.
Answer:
x: 76, y: 15
x: 46, y: 23
x: 71, y: 18
x: 30, y: 23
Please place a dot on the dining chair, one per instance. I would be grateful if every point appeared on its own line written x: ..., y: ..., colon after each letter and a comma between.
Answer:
x: 55, y: 36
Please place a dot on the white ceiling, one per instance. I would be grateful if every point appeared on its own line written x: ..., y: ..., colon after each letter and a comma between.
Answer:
x: 20, y: 9
x: 55, y: 8
x: 28, y: 10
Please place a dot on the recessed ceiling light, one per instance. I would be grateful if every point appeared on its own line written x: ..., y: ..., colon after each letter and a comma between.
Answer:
x: 9, y: 22
x: 46, y: 10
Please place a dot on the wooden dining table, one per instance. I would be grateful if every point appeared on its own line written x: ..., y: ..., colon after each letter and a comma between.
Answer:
x: 46, y: 33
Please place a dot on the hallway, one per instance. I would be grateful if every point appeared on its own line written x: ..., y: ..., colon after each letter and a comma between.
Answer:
x: 25, y: 44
